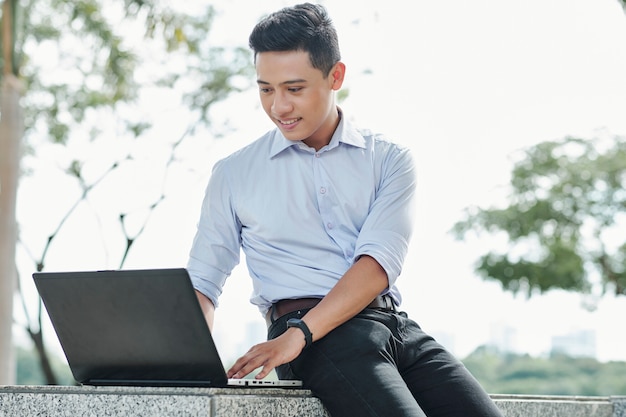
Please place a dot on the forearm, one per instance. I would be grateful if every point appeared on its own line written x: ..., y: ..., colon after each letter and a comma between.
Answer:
x: 353, y: 292
x: 208, y: 309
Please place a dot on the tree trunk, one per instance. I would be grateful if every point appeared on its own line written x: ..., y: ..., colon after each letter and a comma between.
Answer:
x: 44, y: 361
x: 11, y: 130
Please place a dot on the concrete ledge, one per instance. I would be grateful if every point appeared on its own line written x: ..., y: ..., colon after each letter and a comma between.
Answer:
x: 64, y: 401
x: 156, y: 402
x: 559, y: 406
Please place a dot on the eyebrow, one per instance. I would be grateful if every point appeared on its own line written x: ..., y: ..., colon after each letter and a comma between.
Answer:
x: 288, y: 82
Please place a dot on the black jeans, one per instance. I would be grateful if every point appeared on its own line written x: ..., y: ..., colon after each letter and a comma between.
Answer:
x: 382, y: 364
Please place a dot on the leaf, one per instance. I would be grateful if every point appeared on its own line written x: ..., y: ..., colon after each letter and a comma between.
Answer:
x: 567, y: 197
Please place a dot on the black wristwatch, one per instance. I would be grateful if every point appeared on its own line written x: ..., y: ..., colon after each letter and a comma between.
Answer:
x: 308, y: 336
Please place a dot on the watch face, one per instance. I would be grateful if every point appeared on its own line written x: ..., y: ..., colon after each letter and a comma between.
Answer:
x: 308, y: 337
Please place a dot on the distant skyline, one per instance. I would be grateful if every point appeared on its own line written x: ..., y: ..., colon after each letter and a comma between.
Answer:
x: 465, y: 85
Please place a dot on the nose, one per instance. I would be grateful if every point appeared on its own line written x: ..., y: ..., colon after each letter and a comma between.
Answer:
x: 281, y: 104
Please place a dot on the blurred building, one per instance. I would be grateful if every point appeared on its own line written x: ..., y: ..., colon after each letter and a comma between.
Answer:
x: 503, y: 337
x: 256, y: 332
x: 579, y: 343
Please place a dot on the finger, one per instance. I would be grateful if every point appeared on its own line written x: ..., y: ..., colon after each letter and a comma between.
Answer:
x: 244, y: 365
x: 239, y: 363
x: 237, y: 370
x: 241, y: 371
x: 264, y: 372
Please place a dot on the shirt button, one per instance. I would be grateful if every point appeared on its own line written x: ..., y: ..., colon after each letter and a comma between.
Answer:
x: 323, y: 190
x: 317, y: 155
x: 329, y: 225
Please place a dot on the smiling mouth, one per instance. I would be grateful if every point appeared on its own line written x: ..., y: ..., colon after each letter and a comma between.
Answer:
x: 289, y: 122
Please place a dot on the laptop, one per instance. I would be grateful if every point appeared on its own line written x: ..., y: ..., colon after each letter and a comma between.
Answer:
x: 137, y: 328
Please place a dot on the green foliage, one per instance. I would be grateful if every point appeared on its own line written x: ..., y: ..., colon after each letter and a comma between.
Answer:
x: 565, y: 209
x: 557, y: 375
x: 82, y: 57
x: 342, y: 95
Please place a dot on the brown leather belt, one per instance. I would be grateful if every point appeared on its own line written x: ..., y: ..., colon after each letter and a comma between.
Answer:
x: 282, y: 307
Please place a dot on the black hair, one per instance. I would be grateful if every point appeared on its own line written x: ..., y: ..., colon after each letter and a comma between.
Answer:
x: 304, y: 27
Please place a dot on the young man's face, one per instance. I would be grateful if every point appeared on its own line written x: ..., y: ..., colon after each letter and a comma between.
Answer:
x: 297, y: 97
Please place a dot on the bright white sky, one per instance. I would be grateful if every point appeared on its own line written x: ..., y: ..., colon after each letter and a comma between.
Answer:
x: 464, y: 84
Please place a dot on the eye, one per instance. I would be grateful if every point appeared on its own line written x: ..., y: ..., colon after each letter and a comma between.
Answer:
x: 294, y: 89
x: 265, y: 90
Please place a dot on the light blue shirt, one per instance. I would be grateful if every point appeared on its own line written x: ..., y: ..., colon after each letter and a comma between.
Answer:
x: 303, y: 217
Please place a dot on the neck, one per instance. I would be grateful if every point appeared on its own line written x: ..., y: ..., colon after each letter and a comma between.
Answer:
x: 331, y: 124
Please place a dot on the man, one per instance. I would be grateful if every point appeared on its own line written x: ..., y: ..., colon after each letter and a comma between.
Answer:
x: 323, y: 212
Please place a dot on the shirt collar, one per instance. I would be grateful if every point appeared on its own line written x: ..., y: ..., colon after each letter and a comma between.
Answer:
x: 345, y: 133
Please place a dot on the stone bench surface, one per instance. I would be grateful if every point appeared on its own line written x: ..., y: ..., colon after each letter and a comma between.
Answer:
x: 65, y: 401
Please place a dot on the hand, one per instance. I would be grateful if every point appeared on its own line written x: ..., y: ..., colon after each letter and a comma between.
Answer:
x: 269, y: 355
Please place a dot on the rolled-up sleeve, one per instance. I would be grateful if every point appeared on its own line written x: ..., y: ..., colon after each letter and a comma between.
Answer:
x: 217, y: 243
x: 386, y: 233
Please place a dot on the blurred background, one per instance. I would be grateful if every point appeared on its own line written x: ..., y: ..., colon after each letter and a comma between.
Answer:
x: 514, y: 112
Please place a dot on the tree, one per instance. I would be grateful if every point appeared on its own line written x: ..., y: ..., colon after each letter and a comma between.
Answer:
x: 30, y: 373
x: 82, y: 63
x: 565, y: 220
x: 509, y: 373
x: 11, y: 126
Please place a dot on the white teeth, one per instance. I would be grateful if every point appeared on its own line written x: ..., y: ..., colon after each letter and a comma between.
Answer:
x: 288, y: 122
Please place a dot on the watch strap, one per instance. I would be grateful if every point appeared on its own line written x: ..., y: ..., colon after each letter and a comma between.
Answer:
x: 300, y: 324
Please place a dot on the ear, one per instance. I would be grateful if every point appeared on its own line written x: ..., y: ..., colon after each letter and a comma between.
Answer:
x: 337, y: 75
